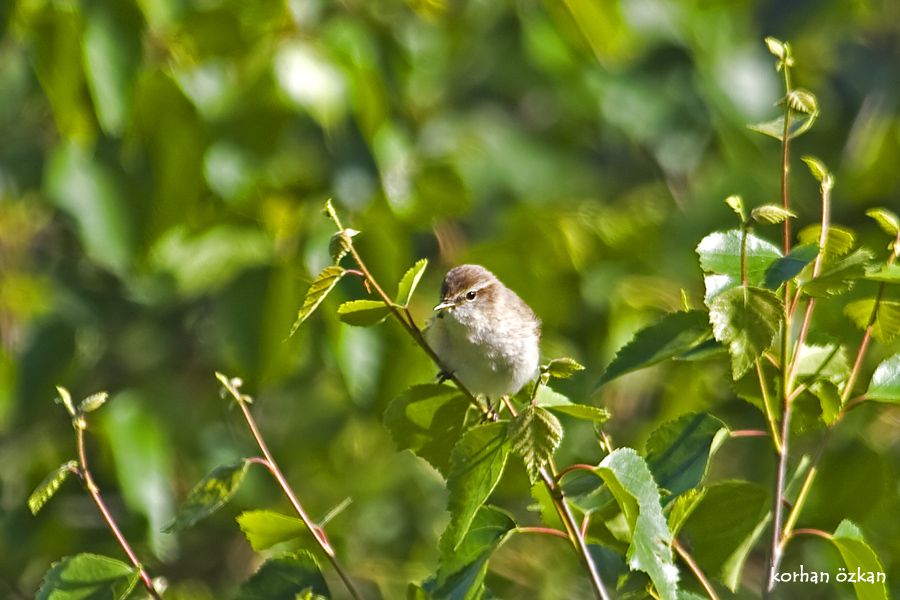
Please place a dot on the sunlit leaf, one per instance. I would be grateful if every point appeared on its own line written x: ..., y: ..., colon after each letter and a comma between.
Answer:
x: 886, y: 219
x: 340, y: 243
x: 775, y: 127
x: 887, y: 320
x: 428, y: 419
x: 321, y: 286
x: 535, y: 434
x: 673, y: 335
x: 476, y: 465
x: 771, y: 214
x: 286, y: 577
x: 678, y: 451
x: 819, y: 171
x: 556, y: 402
x: 838, y: 276
x: 562, y: 368
x: 88, y: 576
x: 746, y: 321
x: 49, y: 485
x: 737, y: 205
x: 885, y: 384
x: 838, y: 242
x: 720, y: 254
x: 829, y: 400
x: 266, y: 528
x: 683, y: 507
x: 363, y: 313
x: 410, y: 280
x: 822, y: 362
x: 776, y: 47
x: 861, y: 561
x: 887, y: 274
x: 210, y: 494
x: 803, y: 101
x: 93, y: 402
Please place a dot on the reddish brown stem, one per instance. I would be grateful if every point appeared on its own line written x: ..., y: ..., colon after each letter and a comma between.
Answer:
x: 695, y: 568
x: 748, y: 433
x: 544, y: 531
x: 94, y: 491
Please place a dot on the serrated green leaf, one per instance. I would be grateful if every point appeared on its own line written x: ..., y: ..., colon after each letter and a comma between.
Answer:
x: 93, y: 402
x: 461, y: 574
x: 861, y: 560
x: 341, y: 243
x: 839, y: 240
x: 673, y: 335
x: 829, y: 400
x: 887, y: 321
x: 410, y: 280
x: 363, y: 313
x: 803, y: 101
x: 476, y: 465
x: 66, y: 398
x: 629, y: 480
x: 266, y: 528
x: 87, y: 576
x: 887, y: 274
x: 885, y: 384
x: 720, y: 255
x: 721, y: 545
x: 678, y: 451
x: 320, y: 288
x: 838, y: 276
x: 771, y: 214
x: 788, y: 267
x: 746, y: 321
x: 887, y: 220
x: 535, y: 435
x: 49, y: 485
x: 828, y: 362
x: 285, y: 578
x: 562, y: 368
x: 551, y: 400
x: 683, y: 507
x: 428, y: 419
x: 210, y: 494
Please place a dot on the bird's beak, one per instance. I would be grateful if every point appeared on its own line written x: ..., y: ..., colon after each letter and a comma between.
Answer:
x: 443, y: 305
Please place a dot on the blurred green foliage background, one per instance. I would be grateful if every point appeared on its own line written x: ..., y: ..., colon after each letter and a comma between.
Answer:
x: 162, y: 168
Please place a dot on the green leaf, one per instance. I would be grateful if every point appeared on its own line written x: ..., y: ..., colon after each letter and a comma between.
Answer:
x: 410, y: 280
x: 340, y: 243
x: 838, y: 276
x: 286, y: 577
x: 549, y: 399
x: 737, y: 205
x: 720, y: 255
x: 88, y: 576
x: 829, y: 400
x: 775, y: 127
x: 321, y: 286
x: 683, y: 507
x: 66, y: 399
x: 49, y: 485
x: 887, y: 320
x: 210, y: 494
x: 803, y: 101
x: 746, y: 321
x: 887, y: 274
x: 92, y: 402
x: 861, y: 560
x: 886, y: 219
x: 771, y: 214
x: 838, y: 242
x: 673, y: 335
x: 678, y: 452
x: 266, y: 528
x: 428, y: 419
x: 819, y: 171
x: 776, y: 47
x: 721, y: 545
x: 788, y: 267
x: 828, y: 362
x: 629, y: 480
x: 885, y: 384
x: 363, y: 313
x: 476, y: 465
x: 562, y: 368
x: 535, y: 434
x: 461, y: 574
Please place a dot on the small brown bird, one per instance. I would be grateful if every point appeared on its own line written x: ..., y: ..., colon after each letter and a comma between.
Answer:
x: 484, y: 333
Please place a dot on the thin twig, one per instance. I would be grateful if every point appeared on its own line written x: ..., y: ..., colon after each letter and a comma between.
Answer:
x: 695, y: 568
x: 94, y: 491
x: 543, y: 531
x: 269, y: 462
x: 748, y: 433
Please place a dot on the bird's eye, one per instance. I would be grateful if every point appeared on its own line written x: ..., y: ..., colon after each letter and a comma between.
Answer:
x: 470, y: 295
